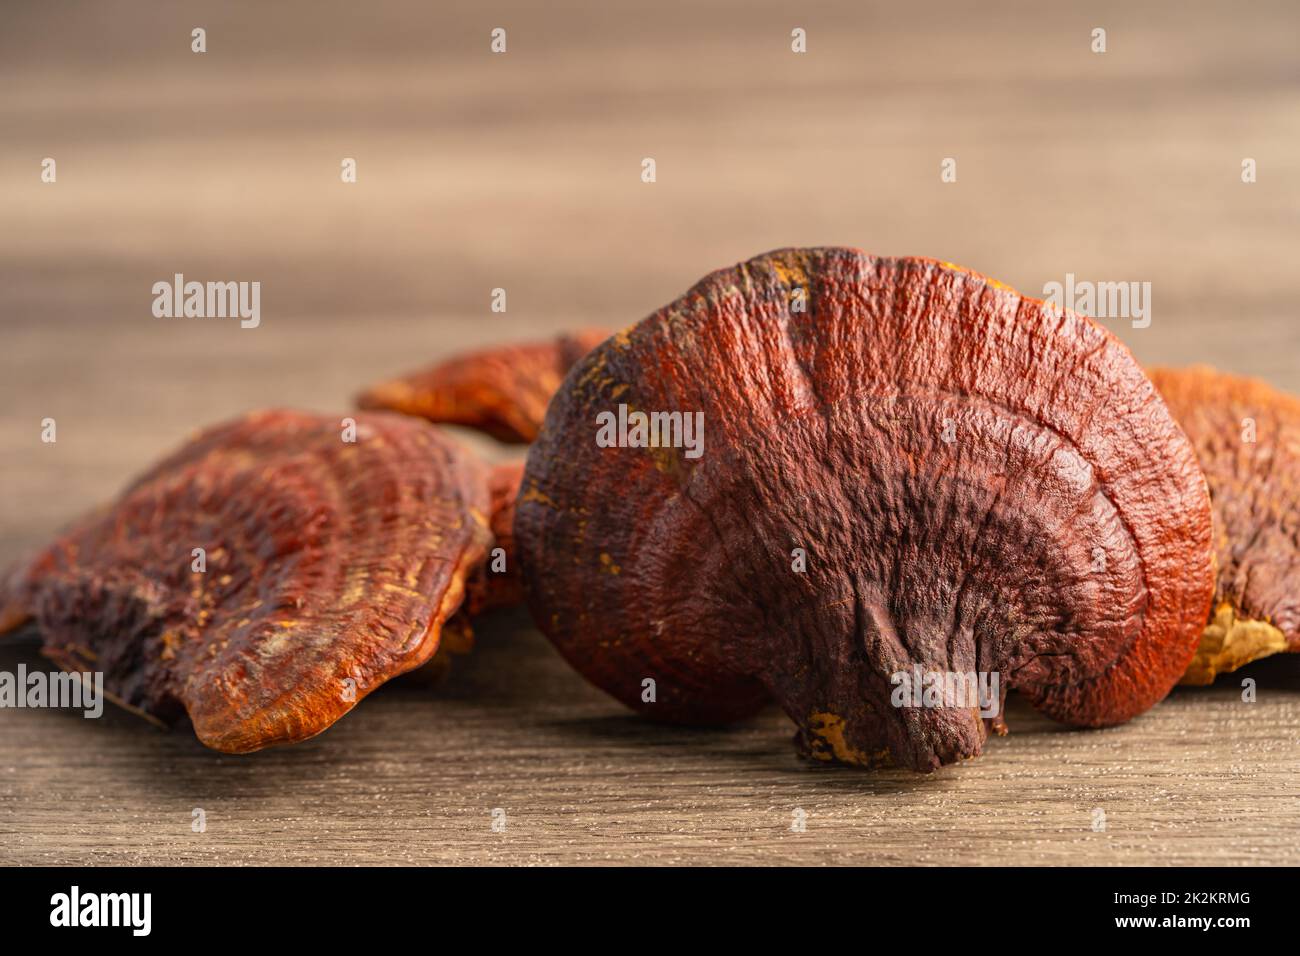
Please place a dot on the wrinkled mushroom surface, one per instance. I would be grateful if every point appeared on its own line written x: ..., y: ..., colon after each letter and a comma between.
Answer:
x: 498, y: 581
x: 1247, y: 437
x: 978, y: 483
x: 330, y: 567
x: 502, y: 391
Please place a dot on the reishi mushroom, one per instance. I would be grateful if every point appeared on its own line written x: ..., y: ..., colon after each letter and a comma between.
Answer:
x: 501, y: 391
x: 978, y: 483
x: 498, y: 582
x: 327, y: 566
x: 1247, y: 437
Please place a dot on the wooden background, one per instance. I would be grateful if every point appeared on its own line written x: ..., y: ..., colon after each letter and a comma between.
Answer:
x: 522, y: 171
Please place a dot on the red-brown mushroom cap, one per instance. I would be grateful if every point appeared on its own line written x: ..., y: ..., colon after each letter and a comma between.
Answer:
x: 978, y: 483
x: 498, y: 581
x: 502, y: 391
x: 331, y: 566
x: 1247, y: 437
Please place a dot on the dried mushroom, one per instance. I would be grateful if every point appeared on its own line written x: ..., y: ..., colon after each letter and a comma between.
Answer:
x: 498, y: 583
x: 267, y: 575
x: 900, y: 468
x: 1247, y: 436
x: 502, y: 391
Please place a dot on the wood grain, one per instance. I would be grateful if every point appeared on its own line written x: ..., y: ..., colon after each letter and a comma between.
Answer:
x: 413, y: 775
x: 522, y: 171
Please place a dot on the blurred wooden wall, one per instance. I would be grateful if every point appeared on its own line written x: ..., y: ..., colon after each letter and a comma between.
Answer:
x: 522, y: 171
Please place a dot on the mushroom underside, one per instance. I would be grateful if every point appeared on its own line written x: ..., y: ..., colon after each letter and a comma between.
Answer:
x: 267, y: 576
x: 1247, y: 440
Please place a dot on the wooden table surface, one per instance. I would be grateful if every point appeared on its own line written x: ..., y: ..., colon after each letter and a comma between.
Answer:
x: 522, y: 171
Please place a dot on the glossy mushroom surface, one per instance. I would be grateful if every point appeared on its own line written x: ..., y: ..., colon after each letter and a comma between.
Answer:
x: 502, y: 391
x: 906, y: 468
x: 1247, y: 438
x: 266, y: 576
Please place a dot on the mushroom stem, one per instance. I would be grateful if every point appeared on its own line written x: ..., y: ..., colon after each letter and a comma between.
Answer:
x: 929, y: 739
x: 866, y: 687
